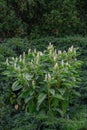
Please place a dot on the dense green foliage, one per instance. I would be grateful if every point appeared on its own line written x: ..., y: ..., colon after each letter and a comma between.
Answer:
x: 45, y: 81
x: 13, y: 117
x: 51, y: 94
x: 16, y: 46
x: 36, y: 18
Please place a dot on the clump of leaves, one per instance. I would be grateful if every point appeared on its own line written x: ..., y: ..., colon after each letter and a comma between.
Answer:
x: 45, y: 81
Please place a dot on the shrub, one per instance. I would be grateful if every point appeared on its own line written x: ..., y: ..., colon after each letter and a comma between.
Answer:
x: 74, y: 121
x: 34, y: 18
x: 18, y: 45
x: 63, y: 44
x: 60, y: 20
x: 6, y: 52
x: 17, y: 119
x: 10, y: 24
x: 45, y: 81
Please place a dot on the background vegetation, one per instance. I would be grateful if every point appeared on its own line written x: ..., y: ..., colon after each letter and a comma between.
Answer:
x: 34, y: 18
x: 33, y: 24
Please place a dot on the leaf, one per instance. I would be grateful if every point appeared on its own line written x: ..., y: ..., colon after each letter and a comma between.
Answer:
x: 28, y: 77
x: 52, y: 91
x: 62, y: 91
x: 31, y: 106
x: 28, y: 99
x: 77, y: 94
x: 68, y: 85
x: 41, y: 98
x: 24, y: 94
x: 60, y: 112
x: 53, y: 81
x: 16, y: 86
x: 58, y: 96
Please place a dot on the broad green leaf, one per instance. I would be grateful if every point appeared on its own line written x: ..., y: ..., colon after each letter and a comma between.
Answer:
x: 24, y: 94
x: 41, y: 98
x: 31, y: 106
x: 27, y: 99
x: 58, y: 96
x: 77, y: 94
x: 52, y: 91
x: 68, y: 85
x: 53, y: 82
x: 16, y: 86
x: 28, y: 77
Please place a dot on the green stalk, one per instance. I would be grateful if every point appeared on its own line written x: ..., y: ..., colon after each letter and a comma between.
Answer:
x: 48, y: 98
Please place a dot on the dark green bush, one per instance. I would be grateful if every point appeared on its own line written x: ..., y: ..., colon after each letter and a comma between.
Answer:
x: 36, y: 18
x: 5, y: 52
x: 17, y: 45
x: 10, y: 24
x: 62, y: 18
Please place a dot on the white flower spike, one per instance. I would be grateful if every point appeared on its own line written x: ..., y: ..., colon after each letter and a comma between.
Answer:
x: 62, y: 63
x: 55, y: 66
x: 29, y: 51
x: 59, y: 52
x: 7, y: 61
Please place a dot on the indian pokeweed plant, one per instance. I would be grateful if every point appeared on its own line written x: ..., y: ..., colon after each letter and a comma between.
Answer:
x: 45, y: 81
